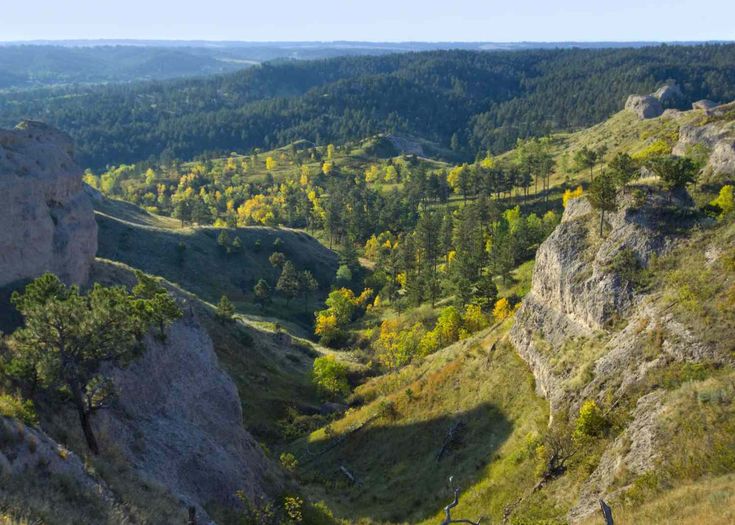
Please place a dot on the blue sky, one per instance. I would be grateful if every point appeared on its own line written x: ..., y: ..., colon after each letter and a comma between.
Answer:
x: 371, y: 20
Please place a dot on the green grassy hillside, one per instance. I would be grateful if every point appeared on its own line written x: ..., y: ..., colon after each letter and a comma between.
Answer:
x: 392, y: 440
x: 192, y: 258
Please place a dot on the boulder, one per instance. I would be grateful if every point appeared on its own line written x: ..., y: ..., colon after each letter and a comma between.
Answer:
x: 722, y: 159
x: 47, y: 218
x: 704, y: 104
x: 670, y: 95
x: 644, y: 106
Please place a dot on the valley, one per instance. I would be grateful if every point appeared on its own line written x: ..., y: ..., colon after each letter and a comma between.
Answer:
x: 343, y: 289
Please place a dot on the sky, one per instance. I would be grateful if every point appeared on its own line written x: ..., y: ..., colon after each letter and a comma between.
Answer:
x: 370, y: 20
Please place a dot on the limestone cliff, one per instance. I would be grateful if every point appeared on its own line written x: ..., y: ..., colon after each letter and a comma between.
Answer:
x: 47, y: 220
x: 576, y: 290
x: 586, y: 326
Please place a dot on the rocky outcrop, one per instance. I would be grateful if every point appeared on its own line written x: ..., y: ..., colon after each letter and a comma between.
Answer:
x: 574, y: 291
x: 33, y: 466
x: 635, y: 451
x: 48, y: 222
x: 24, y: 449
x: 690, y: 135
x: 670, y: 95
x: 178, y: 420
x: 667, y: 97
x: 587, y: 332
x: 722, y: 159
x: 644, y: 106
x: 718, y: 140
x: 704, y: 104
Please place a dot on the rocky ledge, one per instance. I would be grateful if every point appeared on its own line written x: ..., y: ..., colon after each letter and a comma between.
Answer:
x: 48, y: 222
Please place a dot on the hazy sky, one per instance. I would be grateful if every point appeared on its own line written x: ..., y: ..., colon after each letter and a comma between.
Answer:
x: 373, y: 20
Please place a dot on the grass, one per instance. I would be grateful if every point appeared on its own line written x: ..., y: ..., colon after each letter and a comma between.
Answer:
x: 709, y: 500
x: 408, y: 415
x: 151, y: 243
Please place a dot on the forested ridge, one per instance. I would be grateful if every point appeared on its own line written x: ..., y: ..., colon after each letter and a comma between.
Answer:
x: 469, y: 101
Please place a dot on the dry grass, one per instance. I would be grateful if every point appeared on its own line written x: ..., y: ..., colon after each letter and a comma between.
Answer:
x: 709, y: 501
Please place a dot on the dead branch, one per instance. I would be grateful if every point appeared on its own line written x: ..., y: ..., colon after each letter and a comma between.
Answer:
x: 448, y: 510
x: 349, y: 475
x: 452, y: 436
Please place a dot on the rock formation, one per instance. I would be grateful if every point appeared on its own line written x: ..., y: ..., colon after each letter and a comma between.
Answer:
x: 177, y: 420
x: 178, y: 417
x: 718, y: 140
x: 48, y: 222
x: 722, y: 159
x: 704, y: 104
x: 645, y: 106
x: 670, y: 95
x: 577, y: 296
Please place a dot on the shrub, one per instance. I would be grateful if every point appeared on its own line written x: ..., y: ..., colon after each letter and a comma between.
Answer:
x: 289, y: 461
x: 571, y: 194
x: 591, y: 421
x: 293, y: 505
x: 725, y: 201
x: 11, y: 406
x: 330, y: 376
x: 502, y: 309
x: 225, y: 309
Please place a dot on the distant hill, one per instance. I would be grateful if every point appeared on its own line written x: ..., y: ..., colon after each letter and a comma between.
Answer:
x: 27, y: 65
x: 469, y: 100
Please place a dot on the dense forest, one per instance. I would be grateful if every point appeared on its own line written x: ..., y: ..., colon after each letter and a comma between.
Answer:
x: 464, y: 100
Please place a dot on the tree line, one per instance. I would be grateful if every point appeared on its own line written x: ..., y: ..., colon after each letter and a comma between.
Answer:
x: 465, y: 101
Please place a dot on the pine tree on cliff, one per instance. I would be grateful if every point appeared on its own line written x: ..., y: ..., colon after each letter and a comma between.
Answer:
x: 68, y: 338
x: 603, y: 196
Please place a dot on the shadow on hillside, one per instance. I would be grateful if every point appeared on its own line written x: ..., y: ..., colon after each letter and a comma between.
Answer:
x: 399, y: 475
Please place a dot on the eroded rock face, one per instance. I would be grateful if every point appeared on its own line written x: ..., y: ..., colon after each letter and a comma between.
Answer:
x: 718, y: 139
x: 47, y: 220
x: 178, y: 420
x: 644, y: 106
x: 579, y: 298
x: 575, y: 292
x: 722, y: 160
x: 708, y: 136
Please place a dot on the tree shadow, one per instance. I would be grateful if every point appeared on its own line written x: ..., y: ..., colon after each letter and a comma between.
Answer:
x: 400, y: 474
x: 10, y: 318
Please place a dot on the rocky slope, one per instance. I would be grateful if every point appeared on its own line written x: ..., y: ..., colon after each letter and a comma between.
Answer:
x: 47, y: 219
x: 178, y: 416
x: 715, y: 135
x: 590, y: 330
x: 177, y: 422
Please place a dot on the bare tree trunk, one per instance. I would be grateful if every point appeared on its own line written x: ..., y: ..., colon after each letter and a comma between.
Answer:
x: 602, y: 219
x: 87, y: 429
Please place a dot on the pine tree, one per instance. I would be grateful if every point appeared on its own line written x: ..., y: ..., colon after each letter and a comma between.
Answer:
x: 68, y: 338
x: 262, y: 292
x: 309, y: 284
x: 289, y: 283
x: 225, y: 309
x: 603, y: 196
